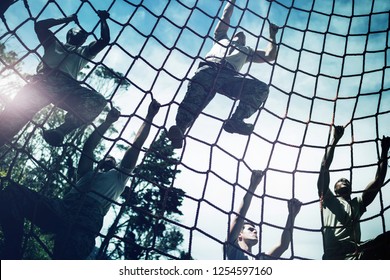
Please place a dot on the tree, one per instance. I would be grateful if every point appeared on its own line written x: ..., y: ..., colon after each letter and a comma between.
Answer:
x: 10, y: 74
x: 105, y: 80
x: 148, y: 209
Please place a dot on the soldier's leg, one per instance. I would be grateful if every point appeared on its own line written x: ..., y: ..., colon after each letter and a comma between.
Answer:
x: 200, y: 92
x: 82, y: 105
x: 73, y: 244
x: 16, y: 204
x: 251, y: 93
x: 84, y: 218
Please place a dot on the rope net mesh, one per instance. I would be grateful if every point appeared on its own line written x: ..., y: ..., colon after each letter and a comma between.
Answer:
x: 331, y: 69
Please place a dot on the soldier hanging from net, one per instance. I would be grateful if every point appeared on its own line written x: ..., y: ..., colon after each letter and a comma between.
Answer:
x: 76, y: 219
x: 243, y: 234
x: 342, y: 214
x: 56, y: 82
x: 220, y: 73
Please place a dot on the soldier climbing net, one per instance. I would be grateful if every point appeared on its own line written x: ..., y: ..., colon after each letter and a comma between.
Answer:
x: 332, y: 69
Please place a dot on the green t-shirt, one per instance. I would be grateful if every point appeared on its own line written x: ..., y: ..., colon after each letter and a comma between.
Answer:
x: 65, y: 58
x: 341, y: 226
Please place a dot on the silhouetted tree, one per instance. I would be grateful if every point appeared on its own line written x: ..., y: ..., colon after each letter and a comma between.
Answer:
x: 149, y: 205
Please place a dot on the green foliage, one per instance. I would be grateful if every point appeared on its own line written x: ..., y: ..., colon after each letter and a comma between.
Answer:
x: 10, y: 80
x: 154, y: 202
x: 116, y: 77
x: 38, y: 246
x: 105, y: 80
x: 7, y: 57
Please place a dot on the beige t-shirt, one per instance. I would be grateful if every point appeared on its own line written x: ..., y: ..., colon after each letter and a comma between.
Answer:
x: 341, y: 222
x: 234, y: 53
x: 65, y: 58
x: 102, y: 186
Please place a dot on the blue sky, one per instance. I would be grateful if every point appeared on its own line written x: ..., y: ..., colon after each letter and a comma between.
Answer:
x: 332, y: 67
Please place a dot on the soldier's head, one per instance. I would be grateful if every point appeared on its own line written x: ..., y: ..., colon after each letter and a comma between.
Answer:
x: 343, y: 188
x: 239, y: 37
x: 76, y: 37
x: 248, y: 234
x: 106, y: 164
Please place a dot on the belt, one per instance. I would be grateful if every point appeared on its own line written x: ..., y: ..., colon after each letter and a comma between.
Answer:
x: 223, y: 63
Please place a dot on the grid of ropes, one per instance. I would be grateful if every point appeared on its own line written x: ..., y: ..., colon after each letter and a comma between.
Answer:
x: 286, y: 91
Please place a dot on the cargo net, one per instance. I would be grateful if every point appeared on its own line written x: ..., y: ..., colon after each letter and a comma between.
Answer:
x: 332, y: 69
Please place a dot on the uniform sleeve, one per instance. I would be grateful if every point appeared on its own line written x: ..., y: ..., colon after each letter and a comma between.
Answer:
x: 249, y: 54
x: 334, y: 205
x: 122, y: 176
x: 362, y: 207
x: 85, y: 52
x: 230, y: 250
x: 220, y: 35
x: 329, y: 198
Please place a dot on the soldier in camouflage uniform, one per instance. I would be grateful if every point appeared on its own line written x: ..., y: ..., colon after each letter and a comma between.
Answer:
x: 56, y: 82
x: 220, y: 73
x: 76, y: 219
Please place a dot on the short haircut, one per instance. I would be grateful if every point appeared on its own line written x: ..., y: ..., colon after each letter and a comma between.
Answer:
x: 247, y: 223
x: 344, y: 180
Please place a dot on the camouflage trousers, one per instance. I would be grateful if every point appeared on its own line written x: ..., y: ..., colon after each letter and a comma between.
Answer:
x: 82, y: 105
x: 211, y: 78
x: 75, y: 222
